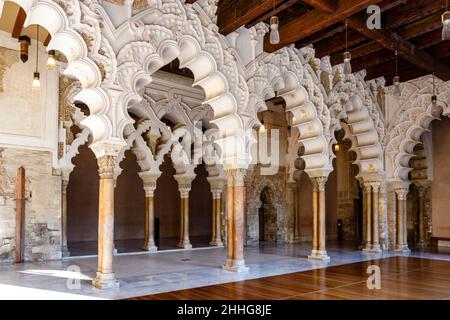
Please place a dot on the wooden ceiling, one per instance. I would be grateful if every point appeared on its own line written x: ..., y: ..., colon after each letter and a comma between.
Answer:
x: 412, y: 27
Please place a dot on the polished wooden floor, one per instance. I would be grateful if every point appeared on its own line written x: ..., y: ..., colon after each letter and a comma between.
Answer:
x: 402, y: 278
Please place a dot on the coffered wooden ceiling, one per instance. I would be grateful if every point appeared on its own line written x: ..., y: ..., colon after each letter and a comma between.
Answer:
x: 412, y: 27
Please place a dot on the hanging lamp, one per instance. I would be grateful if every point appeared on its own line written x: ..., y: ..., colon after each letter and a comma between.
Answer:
x: 347, y: 54
x: 397, y: 91
x: 24, y: 47
x: 36, y: 79
x: 446, y: 23
x: 434, y: 96
x: 274, y: 26
x: 51, y: 60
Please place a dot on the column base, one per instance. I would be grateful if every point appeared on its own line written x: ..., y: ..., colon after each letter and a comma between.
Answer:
x: 403, y: 249
x: 367, y: 248
x: 421, y: 244
x: 235, y: 266
x: 150, y: 247
x: 105, y: 281
x: 185, y: 245
x: 216, y: 243
x: 65, y: 252
x: 376, y: 248
x: 319, y: 255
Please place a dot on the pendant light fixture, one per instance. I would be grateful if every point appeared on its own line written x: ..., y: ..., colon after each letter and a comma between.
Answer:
x: 274, y: 26
x: 36, y: 81
x: 24, y: 47
x: 434, y: 96
x: 446, y: 23
x: 51, y: 60
x: 347, y: 54
x: 262, y: 128
x: 396, y: 81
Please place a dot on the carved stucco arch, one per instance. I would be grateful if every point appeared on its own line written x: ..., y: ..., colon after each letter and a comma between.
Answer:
x: 179, y: 33
x: 287, y: 74
x: 354, y: 108
x: 412, y: 118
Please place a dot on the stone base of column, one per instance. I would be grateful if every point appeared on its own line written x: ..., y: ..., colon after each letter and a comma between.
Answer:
x: 376, y: 248
x: 367, y: 248
x: 184, y: 245
x: 150, y: 247
x: 65, y: 252
x: 216, y: 243
x: 319, y: 255
x: 105, y: 281
x: 235, y: 266
x: 421, y: 244
x: 403, y: 249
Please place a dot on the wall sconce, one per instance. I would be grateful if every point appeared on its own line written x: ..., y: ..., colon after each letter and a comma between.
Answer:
x: 24, y: 46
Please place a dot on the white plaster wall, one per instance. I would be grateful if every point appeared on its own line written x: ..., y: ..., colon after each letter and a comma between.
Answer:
x: 28, y: 119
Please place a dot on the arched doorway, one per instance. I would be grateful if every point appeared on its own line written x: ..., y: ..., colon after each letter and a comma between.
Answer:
x: 267, y: 217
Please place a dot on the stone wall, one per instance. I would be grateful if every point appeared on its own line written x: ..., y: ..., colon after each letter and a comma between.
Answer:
x: 42, y: 207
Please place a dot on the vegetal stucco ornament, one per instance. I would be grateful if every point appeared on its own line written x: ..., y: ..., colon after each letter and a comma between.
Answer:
x: 412, y: 118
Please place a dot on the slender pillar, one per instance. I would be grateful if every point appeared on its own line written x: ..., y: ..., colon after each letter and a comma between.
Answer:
x: 421, y: 192
x: 149, y: 179
x: 105, y: 276
x: 368, y: 222
x: 235, y: 213
x: 402, y: 232
x: 64, y: 248
x: 319, y: 251
x: 217, y: 185
x: 184, y: 186
x: 375, y: 218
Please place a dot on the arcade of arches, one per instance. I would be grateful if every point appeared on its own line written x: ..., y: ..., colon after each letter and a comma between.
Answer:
x: 105, y: 159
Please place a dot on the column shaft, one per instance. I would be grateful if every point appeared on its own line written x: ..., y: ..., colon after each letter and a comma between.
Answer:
x: 235, y: 212
x: 149, y: 242
x: 402, y: 228
x: 368, y: 198
x: 315, y: 236
x: 105, y: 276
x: 421, y: 216
x: 64, y: 246
x: 375, y: 218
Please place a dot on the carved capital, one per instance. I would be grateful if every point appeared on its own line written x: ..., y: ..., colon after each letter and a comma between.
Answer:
x: 106, y: 165
x: 402, y: 193
x: 236, y: 177
x: 421, y: 191
x: 149, y: 180
x: 217, y: 184
x: 319, y: 183
x: 184, y: 184
x: 102, y: 149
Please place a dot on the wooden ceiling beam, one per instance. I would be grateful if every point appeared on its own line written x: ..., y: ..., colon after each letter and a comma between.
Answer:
x: 336, y: 45
x: 329, y: 6
x: 422, y: 27
x: 406, y: 50
x: 315, y: 21
x: 269, y: 14
x: 234, y: 14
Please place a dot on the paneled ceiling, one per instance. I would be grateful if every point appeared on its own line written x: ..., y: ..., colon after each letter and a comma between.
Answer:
x: 410, y: 27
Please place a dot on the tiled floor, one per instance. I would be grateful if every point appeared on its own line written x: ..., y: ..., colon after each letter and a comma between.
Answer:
x: 144, y: 274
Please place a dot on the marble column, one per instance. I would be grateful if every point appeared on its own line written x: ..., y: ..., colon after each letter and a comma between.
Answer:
x: 421, y: 194
x: 235, y: 214
x: 105, y: 277
x: 402, y: 228
x: 149, y: 180
x: 319, y: 251
x: 375, y: 217
x: 64, y: 248
x: 368, y: 217
x: 217, y: 185
x: 184, y: 186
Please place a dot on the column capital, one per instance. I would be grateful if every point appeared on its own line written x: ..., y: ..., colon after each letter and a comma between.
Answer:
x: 319, y: 183
x: 184, y: 184
x: 402, y: 193
x: 106, y: 165
x: 106, y: 148
x: 236, y: 177
x: 217, y: 184
x: 421, y: 191
x: 149, y: 180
